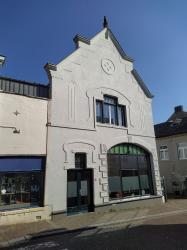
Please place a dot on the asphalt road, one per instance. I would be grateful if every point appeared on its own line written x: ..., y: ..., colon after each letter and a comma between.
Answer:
x: 169, y: 232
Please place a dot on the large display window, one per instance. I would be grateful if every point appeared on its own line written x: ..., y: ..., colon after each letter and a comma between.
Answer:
x: 129, y: 171
x: 21, y: 182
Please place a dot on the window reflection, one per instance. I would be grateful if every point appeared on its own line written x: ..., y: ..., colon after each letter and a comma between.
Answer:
x: 106, y: 113
x: 109, y: 111
x: 99, y: 111
x: 21, y: 188
x: 129, y: 172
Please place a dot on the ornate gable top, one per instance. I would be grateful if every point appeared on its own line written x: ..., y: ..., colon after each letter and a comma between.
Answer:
x: 105, y: 22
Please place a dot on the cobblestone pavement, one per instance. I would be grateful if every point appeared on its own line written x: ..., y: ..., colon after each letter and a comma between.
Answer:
x: 164, y: 233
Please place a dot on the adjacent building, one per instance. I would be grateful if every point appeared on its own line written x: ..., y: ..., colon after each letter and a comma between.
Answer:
x: 84, y: 141
x: 171, y: 139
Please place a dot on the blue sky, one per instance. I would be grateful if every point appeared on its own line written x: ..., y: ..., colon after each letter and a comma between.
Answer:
x: 153, y: 32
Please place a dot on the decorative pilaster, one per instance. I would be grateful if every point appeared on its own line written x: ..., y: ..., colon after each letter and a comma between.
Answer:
x: 103, y: 169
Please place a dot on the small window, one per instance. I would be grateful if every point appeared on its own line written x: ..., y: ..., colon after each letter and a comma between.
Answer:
x: 31, y: 90
x: 26, y: 90
x: 110, y: 112
x: 80, y: 160
x: 164, y: 154
x: 21, y: 89
x: 182, y: 150
x: 16, y: 87
x: 11, y: 87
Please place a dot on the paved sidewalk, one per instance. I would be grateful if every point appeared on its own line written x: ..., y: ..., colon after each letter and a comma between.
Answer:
x: 13, y: 233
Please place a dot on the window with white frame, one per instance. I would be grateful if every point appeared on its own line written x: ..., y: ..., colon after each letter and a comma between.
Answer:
x: 182, y: 150
x: 164, y: 154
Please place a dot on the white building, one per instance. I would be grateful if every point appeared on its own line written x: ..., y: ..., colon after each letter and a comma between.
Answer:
x: 91, y: 133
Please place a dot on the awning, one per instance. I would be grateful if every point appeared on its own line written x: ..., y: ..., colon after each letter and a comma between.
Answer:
x: 15, y: 164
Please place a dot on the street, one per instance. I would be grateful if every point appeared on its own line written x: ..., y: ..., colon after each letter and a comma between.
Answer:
x: 167, y: 232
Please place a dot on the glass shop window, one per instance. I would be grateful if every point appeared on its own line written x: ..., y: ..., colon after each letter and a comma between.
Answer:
x: 21, y: 182
x: 129, y: 171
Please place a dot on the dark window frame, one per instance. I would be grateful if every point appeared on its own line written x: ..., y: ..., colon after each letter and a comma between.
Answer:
x: 82, y: 160
x: 104, y: 103
x: 139, y: 169
x: 29, y: 173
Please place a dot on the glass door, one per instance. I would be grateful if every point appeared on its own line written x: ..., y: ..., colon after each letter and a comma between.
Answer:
x: 79, y: 191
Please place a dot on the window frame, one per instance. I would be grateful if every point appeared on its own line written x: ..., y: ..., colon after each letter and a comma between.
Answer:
x: 164, y: 152
x: 138, y: 168
x: 182, y: 148
x: 23, y: 174
x: 103, y: 104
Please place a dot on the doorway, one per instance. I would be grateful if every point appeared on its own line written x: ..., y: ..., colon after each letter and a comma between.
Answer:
x: 79, y: 191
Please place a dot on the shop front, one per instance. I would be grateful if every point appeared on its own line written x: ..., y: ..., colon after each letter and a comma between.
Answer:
x: 21, y: 182
x: 129, y: 172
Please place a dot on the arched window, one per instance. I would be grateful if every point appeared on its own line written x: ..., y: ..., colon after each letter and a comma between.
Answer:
x: 129, y: 171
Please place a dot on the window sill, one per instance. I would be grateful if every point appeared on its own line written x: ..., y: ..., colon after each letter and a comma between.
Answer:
x: 131, y: 199
x: 110, y: 126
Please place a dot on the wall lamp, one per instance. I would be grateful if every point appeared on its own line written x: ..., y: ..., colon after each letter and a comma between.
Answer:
x: 15, y: 130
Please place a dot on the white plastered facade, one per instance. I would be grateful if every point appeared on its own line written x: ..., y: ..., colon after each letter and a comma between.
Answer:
x: 75, y: 85
x: 28, y: 116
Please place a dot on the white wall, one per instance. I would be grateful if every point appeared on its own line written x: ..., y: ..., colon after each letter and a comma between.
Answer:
x: 31, y: 121
x: 77, y: 83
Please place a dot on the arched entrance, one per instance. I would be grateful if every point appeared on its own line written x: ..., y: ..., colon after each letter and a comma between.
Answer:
x: 129, y: 171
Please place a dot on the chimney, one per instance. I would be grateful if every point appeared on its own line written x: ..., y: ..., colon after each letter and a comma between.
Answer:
x: 178, y: 109
x: 2, y: 60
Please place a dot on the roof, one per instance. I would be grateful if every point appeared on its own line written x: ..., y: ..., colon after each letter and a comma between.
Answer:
x: 178, y: 115
x: 10, y: 85
x: 142, y: 84
x: 175, y: 125
x: 118, y: 47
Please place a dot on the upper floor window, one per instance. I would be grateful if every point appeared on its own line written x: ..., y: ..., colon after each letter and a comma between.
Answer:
x: 164, y: 154
x: 182, y: 150
x: 110, y: 112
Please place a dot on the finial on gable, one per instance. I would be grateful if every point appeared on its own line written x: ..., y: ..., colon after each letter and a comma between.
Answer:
x: 105, y: 22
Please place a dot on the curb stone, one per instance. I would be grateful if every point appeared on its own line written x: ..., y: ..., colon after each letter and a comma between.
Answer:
x: 26, y: 238
x: 61, y: 231
x: 141, y: 218
x: 15, y: 241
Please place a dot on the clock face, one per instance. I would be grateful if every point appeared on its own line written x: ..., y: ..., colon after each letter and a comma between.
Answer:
x: 108, y: 66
